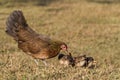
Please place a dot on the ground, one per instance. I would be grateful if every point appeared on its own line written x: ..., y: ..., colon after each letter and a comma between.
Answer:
x: 88, y: 27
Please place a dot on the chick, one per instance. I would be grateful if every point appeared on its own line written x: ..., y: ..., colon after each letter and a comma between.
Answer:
x: 91, y: 63
x: 80, y: 61
x: 66, y: 60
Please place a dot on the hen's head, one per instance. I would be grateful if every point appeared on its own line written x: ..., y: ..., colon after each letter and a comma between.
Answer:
x: 64, y: 47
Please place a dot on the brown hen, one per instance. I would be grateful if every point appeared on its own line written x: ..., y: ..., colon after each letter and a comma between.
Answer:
x: 32, y: 43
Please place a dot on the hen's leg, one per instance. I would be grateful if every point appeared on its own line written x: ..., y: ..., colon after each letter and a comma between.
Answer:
x: 45, y: 63
x: 36, y: 61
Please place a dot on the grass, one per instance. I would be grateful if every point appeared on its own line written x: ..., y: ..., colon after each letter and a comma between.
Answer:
x: 89, y: 28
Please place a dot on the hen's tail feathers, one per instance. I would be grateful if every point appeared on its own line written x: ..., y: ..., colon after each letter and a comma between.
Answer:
x: 14, y: 22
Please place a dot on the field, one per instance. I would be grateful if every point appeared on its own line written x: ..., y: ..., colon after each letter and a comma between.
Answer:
x: 87, y: 26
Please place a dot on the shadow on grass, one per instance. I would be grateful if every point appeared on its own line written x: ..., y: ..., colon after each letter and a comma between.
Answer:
x: 104, y: 1
x: 44, y: 2
x: 35, y: 2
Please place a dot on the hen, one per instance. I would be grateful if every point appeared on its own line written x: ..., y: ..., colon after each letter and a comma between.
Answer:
x: 32, y: 43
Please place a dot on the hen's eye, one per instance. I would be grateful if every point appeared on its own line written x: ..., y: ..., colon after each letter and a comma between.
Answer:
x: 64, y: 47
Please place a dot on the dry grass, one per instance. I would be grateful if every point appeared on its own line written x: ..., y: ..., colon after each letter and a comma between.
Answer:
x: 87, y: 27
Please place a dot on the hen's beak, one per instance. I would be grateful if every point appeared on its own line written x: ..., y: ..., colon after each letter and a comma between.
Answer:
x: 67, y: 51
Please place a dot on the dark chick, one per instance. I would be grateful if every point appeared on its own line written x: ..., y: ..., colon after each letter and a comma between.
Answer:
x: 36, y: 45
x: 91, y: 63
x: 66, y: 60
